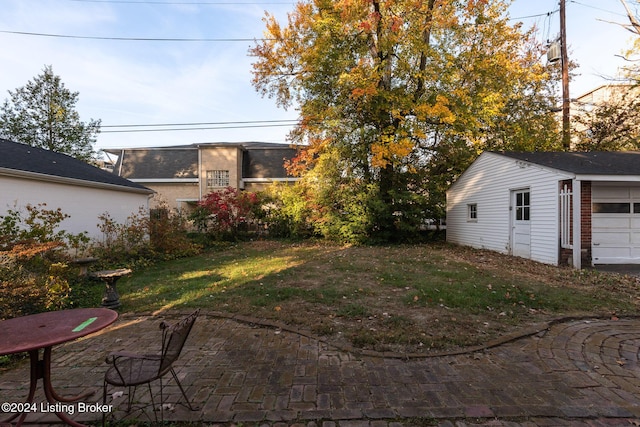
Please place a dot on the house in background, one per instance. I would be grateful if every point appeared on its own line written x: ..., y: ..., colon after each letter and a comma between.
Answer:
x: 573, y: 208
x: 30, y: 175
x: 602, y: 95
x: 617, y: 96
x: 182, y: 175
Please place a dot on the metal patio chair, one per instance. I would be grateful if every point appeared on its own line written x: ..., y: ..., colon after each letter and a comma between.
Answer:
x: 132, y: 369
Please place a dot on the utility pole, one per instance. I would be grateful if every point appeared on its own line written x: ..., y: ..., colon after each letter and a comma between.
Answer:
x: 566, y: 101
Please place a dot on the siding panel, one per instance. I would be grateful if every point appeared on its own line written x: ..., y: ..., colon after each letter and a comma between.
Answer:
x: 84, y: 205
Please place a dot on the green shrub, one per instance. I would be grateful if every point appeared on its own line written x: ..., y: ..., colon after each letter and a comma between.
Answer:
x: 286, y: 213
x: 37, y: 224
x: 168, y: 234
x: 142, y: 238
x: 123, y: 244
x: 36, y: 272
x: 34, y: 261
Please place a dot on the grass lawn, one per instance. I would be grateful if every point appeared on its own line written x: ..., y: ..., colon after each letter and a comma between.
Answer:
x: 401, y: 298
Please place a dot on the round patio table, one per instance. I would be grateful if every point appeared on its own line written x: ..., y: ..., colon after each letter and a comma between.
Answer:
x: 43, y: 331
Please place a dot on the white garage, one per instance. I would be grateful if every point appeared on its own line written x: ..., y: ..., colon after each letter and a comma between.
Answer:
x: 580, y: 209
x: 615, y: 224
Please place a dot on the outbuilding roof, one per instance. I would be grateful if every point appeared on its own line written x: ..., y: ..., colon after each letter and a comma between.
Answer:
x: 25, y: 161
x: 584, y: 163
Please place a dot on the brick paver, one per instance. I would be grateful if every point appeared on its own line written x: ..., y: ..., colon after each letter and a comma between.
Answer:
x: 582, y: 372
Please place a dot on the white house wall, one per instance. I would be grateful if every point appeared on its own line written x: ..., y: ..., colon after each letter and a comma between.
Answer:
x: 488, y: 183
x: 83, y: 204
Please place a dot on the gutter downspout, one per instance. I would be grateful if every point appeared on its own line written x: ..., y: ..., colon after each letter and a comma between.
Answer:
x: 121, y: 162
x: 199, y: 173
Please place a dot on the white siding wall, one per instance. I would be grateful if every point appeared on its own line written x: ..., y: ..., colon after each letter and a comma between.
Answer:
x: 82, y: 204
x: 488, y: 183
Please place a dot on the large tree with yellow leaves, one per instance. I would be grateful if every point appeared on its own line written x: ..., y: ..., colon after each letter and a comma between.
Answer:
x: 396, y: 98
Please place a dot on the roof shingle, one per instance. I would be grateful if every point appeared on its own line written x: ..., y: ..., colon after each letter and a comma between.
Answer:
x: 24, y: 158
x: 591, y: 163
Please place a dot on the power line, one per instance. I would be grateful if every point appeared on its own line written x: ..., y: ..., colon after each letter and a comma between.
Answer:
x: 538, y: 15
x: 146, y: 39
x: 198, y: 128
x: 597, y: 8
x: 533, y: 16
x: 244, y: 122
x: 186, y: 3
x: 177, y: 39
x: 547, y: 24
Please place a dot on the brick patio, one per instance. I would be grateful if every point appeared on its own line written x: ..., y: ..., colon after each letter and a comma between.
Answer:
x: 581, y: 372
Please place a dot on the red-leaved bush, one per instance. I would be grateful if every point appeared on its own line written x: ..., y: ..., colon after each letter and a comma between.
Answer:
x: 224, y: 212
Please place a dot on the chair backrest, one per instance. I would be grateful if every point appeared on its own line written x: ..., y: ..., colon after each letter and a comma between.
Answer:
x: 173, y: 339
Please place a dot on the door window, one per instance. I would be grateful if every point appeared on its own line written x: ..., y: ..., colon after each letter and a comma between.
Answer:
x: 523, y: 206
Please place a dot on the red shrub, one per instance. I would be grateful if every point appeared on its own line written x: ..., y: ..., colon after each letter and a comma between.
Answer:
x: 223, y: 212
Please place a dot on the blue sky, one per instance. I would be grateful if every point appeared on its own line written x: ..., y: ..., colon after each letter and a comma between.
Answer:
x: 159, y: 82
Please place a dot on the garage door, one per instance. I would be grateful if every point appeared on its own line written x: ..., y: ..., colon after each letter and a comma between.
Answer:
x: 616, y: 225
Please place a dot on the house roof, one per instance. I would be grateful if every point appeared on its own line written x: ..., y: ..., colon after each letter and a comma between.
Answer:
x: 247, y: 145
x: 585, y: 163
x: 266, y: 163
x: 165, y: 163
x: 606, y: 87
x: 36, y: 163
x: 261, y: 160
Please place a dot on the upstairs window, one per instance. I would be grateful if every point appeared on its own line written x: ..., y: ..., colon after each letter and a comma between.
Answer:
x: 217, y: 178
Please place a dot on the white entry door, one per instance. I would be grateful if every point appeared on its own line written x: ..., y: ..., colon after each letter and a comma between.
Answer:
x: 521, y: 223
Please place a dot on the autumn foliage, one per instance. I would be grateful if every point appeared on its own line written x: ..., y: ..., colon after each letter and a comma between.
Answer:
x: 396, y: 98
x: 145, y: 236
x: 37, y: 271
x: 34, y: 272
x: 224, y: 213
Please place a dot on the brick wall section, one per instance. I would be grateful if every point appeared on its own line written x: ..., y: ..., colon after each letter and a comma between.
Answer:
x: 585, y: 213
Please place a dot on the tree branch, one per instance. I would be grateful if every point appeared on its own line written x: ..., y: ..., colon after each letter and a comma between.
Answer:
x: 426, y: 38
x: 635, y: 24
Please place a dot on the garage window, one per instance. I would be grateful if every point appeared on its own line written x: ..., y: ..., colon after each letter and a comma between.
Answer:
x: 621, y: 208
x: 472, y: 212
x: 636, y: 208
